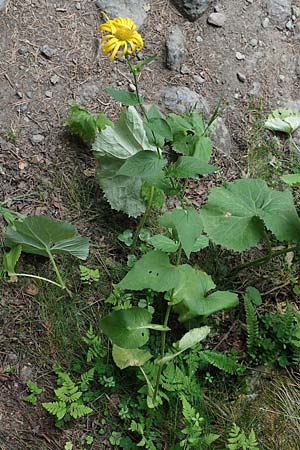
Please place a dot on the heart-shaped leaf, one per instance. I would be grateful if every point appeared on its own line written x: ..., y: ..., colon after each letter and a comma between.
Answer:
x: 235, y: 214
x: 127, y: 328
x: 126, y: 357
x: 153, y: 271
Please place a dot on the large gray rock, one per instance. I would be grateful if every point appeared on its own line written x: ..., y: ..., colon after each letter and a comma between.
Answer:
x: 134, y: 9
x: 3, y: 4
x: 279, y: 11
x: 192, y: 9
x: 176, y: 51
x: 182, y: 100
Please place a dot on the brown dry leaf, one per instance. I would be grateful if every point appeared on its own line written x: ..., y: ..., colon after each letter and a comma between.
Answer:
x: 31, y: 289
x: 22, y: 164
x: 89, y: 172
x: 289, y: 258
x: 36, y: 159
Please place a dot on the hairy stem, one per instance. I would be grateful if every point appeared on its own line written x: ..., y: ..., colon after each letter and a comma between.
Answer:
x: 57, y: 272
x: 164, y: 334
x: 260, y: 261
x: 143, y: 218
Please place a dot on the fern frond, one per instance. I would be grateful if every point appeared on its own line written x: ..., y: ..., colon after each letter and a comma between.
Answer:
x: 253, y: 336
x: 78, y: 410
x: 222, y: 362
x: 88, y: 376
x: 57, y: 409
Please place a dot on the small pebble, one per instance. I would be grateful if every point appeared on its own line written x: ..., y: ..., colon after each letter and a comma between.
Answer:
x: 78, y: 6
x: 37, y: 139
x: 241, y: 77
x: 54, y: 79
x: 265, y: 22
x: 199, y: 79
x: 23, y: 51
x: 289, y: 25
x: 184, y: 70
x: 19, y: 94
x: 253, y: 42
x: 216, y: 19
x: 48, y: 94
x: 239, y: 56
x: 131, y: 87
x: 47, y: 51
x: 199, y: 39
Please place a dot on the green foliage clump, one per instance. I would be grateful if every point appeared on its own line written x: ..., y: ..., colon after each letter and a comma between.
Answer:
x: 83, y: 124
x: 68, y: 402
x: 238, y: 440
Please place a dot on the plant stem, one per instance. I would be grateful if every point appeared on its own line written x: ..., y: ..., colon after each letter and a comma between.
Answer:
x: 163, y: 347
x: 263, y: 260
x: 143, y: 218
x: 164, y: 333
x: 60, y: 280
x: 37, y: 277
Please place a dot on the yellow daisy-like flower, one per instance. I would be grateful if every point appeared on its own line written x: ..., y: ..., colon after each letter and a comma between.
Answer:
x: 121, y: 38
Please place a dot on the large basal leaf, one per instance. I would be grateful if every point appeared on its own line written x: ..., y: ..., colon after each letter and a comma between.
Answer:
x: 123, y: 194
x: 153, y: 271
x: 144, y: 164
x: 127, y: 328
x: 192, y: 298
x: 188, y: 225
x: 41, y: 235
x: 188, y: 341
x: 284, y: 120
x: 126, y: 357
x: 235, y: 214
x: 125, y: 139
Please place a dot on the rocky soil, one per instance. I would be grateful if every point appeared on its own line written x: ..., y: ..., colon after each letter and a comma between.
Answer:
x: 50, y: 56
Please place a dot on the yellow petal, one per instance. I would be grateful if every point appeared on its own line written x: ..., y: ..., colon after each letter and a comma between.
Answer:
x: 115, y: 51
x: 124, y: 52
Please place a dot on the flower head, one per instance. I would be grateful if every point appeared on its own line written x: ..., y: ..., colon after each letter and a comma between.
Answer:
x: 121, y: 38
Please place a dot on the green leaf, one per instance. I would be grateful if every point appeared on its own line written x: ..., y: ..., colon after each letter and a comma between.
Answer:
x: 127, y: 328
x: 201, y: 243
x: 189, y: 136
x: 127, y: 98
x: 153, y: 271
x: 125, y: 139
x: 158, y: 198
x: 293, y: 179
x: 254, y: 295
x: 235, y: 214
x: 82, y: 123
x: 138, y: 67
x: 160, y: 127
x: 189, y: 167
x: 190, y: 339
x: 33, y: 388
x: 122, y: 193
x: 57, y: 409
x: 188, y: 225
x: 283, y: 120
x: 41, y: 235
x: 135, y: 357
x: 10, y: 260
x: 191, y: 296
x: 144, y: 164
x: 78, y: 410
x: 164, y: 243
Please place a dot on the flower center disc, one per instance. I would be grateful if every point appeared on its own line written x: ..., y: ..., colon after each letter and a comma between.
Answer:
x: 123, y: 33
